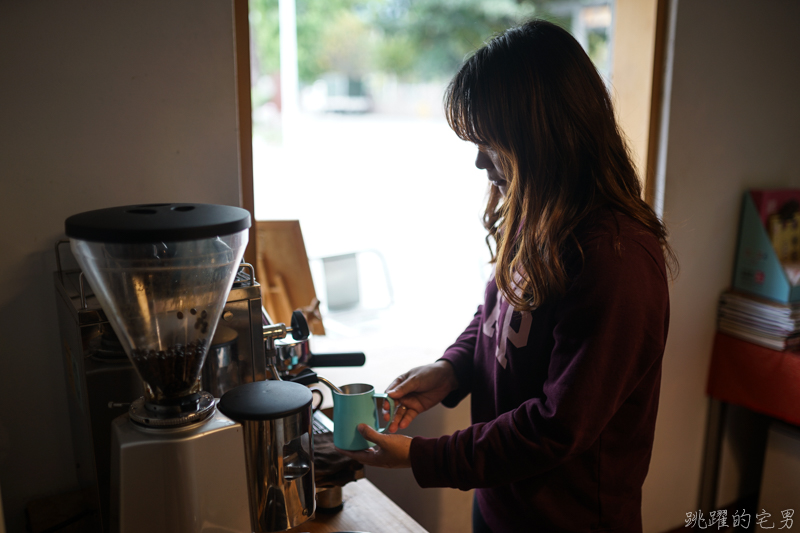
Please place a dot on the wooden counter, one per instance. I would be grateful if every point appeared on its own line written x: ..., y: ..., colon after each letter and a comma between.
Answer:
x: 365, y: 509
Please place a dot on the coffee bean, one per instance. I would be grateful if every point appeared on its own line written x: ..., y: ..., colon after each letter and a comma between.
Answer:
x: 171, y: 372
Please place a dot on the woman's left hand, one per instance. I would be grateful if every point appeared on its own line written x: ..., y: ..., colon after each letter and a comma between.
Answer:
x: 390, y: 451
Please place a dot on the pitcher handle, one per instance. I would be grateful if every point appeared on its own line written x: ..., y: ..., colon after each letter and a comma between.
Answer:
x: 392, y: 410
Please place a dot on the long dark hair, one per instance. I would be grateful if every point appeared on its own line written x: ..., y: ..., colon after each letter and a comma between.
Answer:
x: 534, y: 96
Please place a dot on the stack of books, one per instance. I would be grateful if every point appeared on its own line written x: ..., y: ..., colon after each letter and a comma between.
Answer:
x: 760, y: 321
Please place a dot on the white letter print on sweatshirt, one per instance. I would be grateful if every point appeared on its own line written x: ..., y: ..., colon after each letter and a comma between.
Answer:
x: 517, y: 338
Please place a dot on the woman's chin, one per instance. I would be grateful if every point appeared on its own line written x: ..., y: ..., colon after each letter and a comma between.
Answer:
x: 501, y: 186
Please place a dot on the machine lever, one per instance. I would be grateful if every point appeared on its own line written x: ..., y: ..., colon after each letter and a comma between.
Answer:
x: 337, y: 359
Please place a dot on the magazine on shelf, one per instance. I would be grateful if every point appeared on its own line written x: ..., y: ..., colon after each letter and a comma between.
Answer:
x: 760, y: 321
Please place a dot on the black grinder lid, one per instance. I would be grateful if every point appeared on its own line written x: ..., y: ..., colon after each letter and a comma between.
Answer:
x: 265, y: 400
x: 157, y: 223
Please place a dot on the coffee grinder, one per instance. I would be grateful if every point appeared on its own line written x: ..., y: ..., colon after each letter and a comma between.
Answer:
x: 162, y: 273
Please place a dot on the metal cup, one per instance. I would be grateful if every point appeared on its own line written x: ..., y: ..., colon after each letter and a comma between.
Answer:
x: 354, y: 405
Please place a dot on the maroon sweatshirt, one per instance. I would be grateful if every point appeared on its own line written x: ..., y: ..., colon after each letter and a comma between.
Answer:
x: 564, y: 398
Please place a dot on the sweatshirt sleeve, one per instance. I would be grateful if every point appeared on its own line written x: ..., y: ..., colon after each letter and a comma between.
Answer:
x: 610, y: 330
x: 461, y: 355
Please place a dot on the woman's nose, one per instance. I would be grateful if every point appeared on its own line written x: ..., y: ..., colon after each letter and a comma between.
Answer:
x: 483, y: 161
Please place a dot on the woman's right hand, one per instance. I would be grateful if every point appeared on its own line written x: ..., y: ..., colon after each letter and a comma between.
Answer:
x: 418, y: 390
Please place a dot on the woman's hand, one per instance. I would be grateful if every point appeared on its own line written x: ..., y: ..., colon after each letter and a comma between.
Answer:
x: 390, y: 451
x: 418, y: 390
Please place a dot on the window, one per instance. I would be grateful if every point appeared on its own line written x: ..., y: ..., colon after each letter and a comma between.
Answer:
x: 351, y: 140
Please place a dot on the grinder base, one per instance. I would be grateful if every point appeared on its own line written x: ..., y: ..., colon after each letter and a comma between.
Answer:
x: 151, y: 490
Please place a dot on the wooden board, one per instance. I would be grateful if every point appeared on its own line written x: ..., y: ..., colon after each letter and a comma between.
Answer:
x: 365, y: 509
x: 283, y: 271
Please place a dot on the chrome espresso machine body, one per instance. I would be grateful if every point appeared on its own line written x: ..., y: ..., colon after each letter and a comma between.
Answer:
x: 163, y: 275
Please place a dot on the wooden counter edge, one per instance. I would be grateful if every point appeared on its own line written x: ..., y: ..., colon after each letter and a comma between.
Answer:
x: 366, y: 509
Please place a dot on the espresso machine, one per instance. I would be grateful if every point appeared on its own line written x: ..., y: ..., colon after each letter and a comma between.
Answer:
x: 162, y: 274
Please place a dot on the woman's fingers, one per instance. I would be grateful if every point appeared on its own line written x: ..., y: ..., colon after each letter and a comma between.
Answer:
x: 390, y: 451
x: 402, y: 418
x: 406, y: 383
x: 387, y: 406
x: 397, y: 381
x: 411, y: 392
x: 393, y: 422
x: 370, y: 434
x: 387, y: 411
x: 408, y: 416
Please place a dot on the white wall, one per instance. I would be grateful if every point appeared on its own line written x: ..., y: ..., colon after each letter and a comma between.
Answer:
x: 733, y: 125
x: 101, y: 104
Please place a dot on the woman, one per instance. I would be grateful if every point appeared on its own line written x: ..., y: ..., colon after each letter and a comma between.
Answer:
x: 563, y: 359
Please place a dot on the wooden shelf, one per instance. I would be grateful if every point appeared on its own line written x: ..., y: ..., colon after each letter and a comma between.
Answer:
x: 762, y: 380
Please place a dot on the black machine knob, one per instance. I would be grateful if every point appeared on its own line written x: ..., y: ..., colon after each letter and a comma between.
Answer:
x: 300, y: 331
